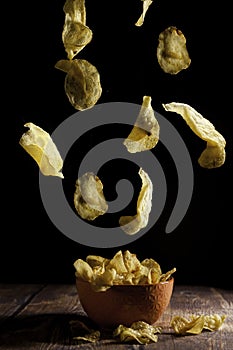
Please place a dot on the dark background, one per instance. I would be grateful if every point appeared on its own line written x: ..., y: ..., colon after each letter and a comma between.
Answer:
x: 32, y: 248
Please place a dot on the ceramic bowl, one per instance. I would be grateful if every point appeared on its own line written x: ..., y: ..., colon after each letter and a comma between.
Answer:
x: 125, y: 304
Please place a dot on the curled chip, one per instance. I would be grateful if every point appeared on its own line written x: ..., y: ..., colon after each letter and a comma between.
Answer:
x: 214, y: 155
x: 172, y: 53
x: 123, y: 268
x: 197, y: 323
x: 150, y: 272
x: 82, y: 82
x: 133, y: 224
x: 39, y: 144
x: 140, y: 331
x: 146, y: 5
x: 145, y: 133
x: 76, y: 35
x: 89, y: 199
x: 75, y: 10
x: 83, y: 333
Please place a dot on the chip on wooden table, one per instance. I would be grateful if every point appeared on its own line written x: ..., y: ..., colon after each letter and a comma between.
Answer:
x: 139, y: 331
x: 197, y: 323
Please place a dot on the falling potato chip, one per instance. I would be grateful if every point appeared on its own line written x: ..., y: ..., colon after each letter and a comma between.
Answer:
x: 214, y: 155
x: 89, y: 199
x: 82, y: 82
x: 197, y: 323
x: 145, y: 133
x: 76, y: 35
x: 139, y: 331
x: 39, y: 144
x: 133, y: 224
x: 172, y: 53
x: 146, y: 5
x: 75, y: 10
x: 123, y: 268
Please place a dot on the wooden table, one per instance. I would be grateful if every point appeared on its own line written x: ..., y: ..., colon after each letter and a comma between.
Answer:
x: 39, y: 317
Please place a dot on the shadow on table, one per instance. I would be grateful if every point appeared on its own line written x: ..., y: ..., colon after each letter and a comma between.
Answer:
x: 44, y: 328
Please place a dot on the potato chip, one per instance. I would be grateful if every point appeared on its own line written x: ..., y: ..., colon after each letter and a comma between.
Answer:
x: 91, y: 337
x: 142, y: 276
x: 144, y: 326
x: 83, y: 333
x: 172, y: 53
x: 82, y: 82
x: 76, y: 35
x: 123, y: 268
x: 214, y: 322
x: 105, y: 280
x: 133, y: 224
x: 146, y: 5
x: 83, y: 270
x: 152, y: 264
x: 197, y: 323
x: 96, y: 261
x: 131, y: 261
x: 181, y: 325
x: 117, y: 262
x: 75, y: 10
x: 145, y: 133
x: 165, y: 276
x: 140, y: 331
x: 126, y: 265
x: 214, y: 155
x: 89, y: 200
x: 152, y: 271
x: 39, y: 144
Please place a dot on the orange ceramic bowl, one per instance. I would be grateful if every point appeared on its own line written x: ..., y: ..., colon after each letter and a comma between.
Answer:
x: 125, y: 304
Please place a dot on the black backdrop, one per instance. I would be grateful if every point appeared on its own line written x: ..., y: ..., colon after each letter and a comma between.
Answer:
x: 32, y: 248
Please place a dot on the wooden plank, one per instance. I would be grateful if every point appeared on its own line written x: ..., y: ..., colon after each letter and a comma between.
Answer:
x: 44, y: 321
x: 201, y: 299
x: 57, y: 298
x: 14, y: 296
